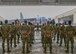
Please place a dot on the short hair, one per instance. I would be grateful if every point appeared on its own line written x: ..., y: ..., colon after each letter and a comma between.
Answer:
x: 48, y: 22
x: 25, y: 21
x: 69, y: 23
x: 13, y: 23
x: 6, y: 21
x: 16, y: 20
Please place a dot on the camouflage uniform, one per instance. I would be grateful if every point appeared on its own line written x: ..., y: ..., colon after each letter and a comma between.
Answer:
x: 48, y: 37
x: 17, y: 23
x: 32, y: 33
x: 70, y: 31
x: 25, y: 29
x: 62, y: 34
x: 42, y: 33
x: 54, y: 31
x: 5, y: 31
x: 14, y: 31
x: 58, y: 32
x: 18, y: 34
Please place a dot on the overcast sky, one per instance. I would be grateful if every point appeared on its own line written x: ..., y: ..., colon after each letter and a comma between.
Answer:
x: 13, y: 12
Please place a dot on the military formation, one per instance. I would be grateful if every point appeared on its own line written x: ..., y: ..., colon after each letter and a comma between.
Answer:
x: 63, y: 35
x: 27, y: 36
x: 14, y: 33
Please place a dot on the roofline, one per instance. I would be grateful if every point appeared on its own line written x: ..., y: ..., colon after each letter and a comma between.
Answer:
x: 65, y: 12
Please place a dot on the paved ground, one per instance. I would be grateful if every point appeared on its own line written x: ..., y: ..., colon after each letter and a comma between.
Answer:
x: 37, y: 47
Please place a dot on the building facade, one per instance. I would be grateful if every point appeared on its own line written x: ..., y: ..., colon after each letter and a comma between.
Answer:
x: 38, y: 2
x: 67, y: 17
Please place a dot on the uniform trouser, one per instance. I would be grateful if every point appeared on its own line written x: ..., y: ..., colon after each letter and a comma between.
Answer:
x: 11, y: 40
x: 28, y: 44
x: 15, y: 41
x: 3, y: 44
x: 25, y: 41
x: 72, y: 44
x: 46, y: 42
x: 18, y: 38
x: 31, y: 37
x: 54, y: 35
x: 23, y: 47
x: 8, y: 44
x: 62, y: 37
x: 57, y: 37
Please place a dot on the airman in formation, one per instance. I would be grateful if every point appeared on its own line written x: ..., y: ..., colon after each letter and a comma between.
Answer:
x: 15, y: 31
x: 9, y: 33
x: 70, y: 31
x: 27, y: 32
x: 5, y: 31
x: 64, y: 35
x: 47, y: 30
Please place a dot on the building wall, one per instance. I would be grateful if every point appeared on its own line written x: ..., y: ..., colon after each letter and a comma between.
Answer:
x: 71, y: 12
x: 74, y: 19
x: 68, y: 16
